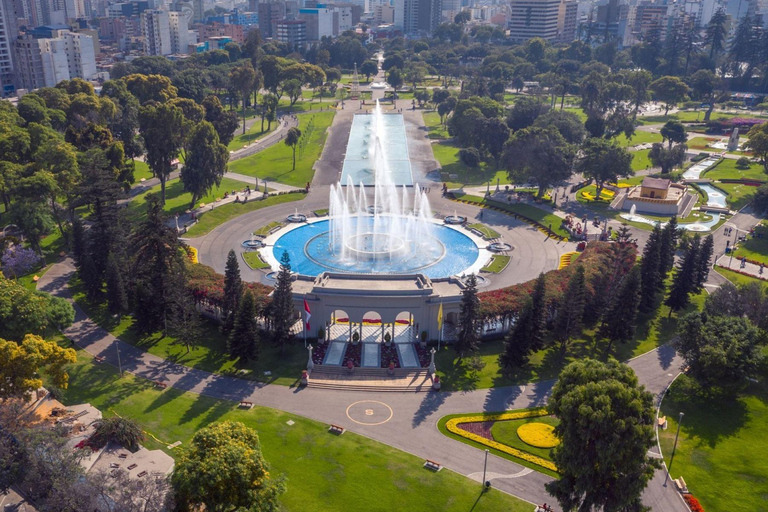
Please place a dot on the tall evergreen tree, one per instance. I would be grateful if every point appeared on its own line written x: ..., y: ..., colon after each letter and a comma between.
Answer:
x: 685, y: 277
x: 233, y: 290
x: 667, y: 248
x: 620, y: 320
x: 716, y: 34
x: 528, y: 334
x: 650, y: 270
x: 117, y: 297
x: 243, y: 341
x: 468, y: 340
x: 570, y: 314
x: 281, y: 308
x: 706, y: 251
x: 90, y: 278
x: 185, y: 323
x: 79, y: 242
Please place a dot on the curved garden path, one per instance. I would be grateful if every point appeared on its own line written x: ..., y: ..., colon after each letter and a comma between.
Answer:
x: 413, y: 425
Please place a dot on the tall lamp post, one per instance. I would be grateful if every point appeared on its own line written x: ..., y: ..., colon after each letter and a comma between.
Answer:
x: 674, y: 447
x: 485, y: 466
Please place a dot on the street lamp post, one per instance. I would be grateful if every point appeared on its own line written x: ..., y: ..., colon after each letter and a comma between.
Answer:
x: 733, y: 246
x: 119, y: 363
x: 485, y: 466
x: 674, y: 447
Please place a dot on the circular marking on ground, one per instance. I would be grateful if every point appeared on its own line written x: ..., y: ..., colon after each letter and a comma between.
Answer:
x: 369, y: 412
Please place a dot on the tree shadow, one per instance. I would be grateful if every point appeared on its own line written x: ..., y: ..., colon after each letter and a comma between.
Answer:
x: 429, y: 405
x: 666, y: 354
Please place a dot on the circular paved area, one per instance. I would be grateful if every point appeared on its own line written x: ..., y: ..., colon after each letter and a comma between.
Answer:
x: 369, y: 412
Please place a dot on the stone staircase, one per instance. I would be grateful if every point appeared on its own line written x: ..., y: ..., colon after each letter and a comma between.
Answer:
x: 370, y: 379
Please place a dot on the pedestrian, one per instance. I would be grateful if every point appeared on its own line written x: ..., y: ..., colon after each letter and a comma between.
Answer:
x: 481, y: 214
x: 761, y: 269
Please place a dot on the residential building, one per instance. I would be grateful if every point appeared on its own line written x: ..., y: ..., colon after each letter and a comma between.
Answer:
x: 156, y: 31
x: 383, y: 14
x: 44, y: 62
x: 418, y: 17
x: 128, y: 9
x: 209, y: 31
x: 319, y: 22
x: 179, y: 31
x: 292, y: 32
x: 547, y: 19
x: 270, y: 13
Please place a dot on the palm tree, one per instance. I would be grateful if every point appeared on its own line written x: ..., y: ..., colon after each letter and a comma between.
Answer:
x: 292, y: 140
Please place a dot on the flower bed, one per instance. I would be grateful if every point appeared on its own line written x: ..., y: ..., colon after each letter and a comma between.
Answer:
x: 453, y: 426
x: 693, y: 503
x: 318, y: 353
x: 538, y: 435
x: 354, y: 353
x: 565, y: 259
x: 480, y: 428
x: 389, y: 353
x: 423, y: 355
x: 743, y: 273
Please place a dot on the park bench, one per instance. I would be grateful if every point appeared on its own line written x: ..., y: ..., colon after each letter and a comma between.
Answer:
x: 335, y: 429
x: 434, y: 466
x: 681, y: 486
x: 122, y: 456
x: 114, y: 465
x: 142, y: 474
x: 161, y: 384
x: 132, y: 466
x: 246, y: 405
x: 662, y: 422
x: 99, y: 359
x: 72, y: 418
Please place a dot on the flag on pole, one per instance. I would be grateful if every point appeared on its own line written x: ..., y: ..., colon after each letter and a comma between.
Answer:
x: 440, y: 318
x: 307, y: 313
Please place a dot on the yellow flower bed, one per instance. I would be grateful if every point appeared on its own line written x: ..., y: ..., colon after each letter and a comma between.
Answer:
x: 539, y: 435
x: 566, y: 259
x: 192, y: 253
x: 605, y: 195
x: 453, y: 426
x: 620, y: 185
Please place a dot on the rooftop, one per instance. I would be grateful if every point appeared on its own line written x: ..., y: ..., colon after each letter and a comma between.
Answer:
x: 659, y: 183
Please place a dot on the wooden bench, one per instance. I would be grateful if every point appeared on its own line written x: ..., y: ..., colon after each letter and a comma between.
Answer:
x: 681, y: 486
x: 434, y: 466
x: 662, y: 422
x: 122, y: 456
x: 99, y: 359
x: 142, y: 474
x: 132, y: 466
x: 335, y: 429
x: 161, y: 384
x: 246, y: 405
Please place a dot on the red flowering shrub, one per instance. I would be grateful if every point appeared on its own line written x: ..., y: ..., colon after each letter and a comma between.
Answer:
x: 206, y: 284
x: 354, y: 353
x: 693, y: 503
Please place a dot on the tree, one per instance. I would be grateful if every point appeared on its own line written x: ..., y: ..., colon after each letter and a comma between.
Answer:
x: 20, y: 364
x: 233, y: 290
x: 704, y: 262
x: 605, y: 431
x: 684, y: 281
x: 570, y: 313
x: 719, y: 351
x: 650, y: 270
x: 150, y: 87
x: 117, y: 297
x: 184, y: 322
x: 667, y: 158
x: 669, y: 90
x: 292, y: 139
x: 243, y: 341
x: 292, y: 88
x: 281, y: 308
x: 567, y: 123
x: 525, y: 111
x: 25, y: 312
x: 468, y: 339
x: 34, y: 219
x: 369, y: 68
x: 462, y: 17
x: 667, y: 248
x: 528, y: 334
x: 539, y: 154
x: 225, y: 122
x: 205, y: 163
x: 673, y: 132
x: 604, y: 162
x: 620, y: 319
x: 223, y: 470
x: 162, y: 127
x: 242, y: 78
x: 123, y: 431
x: 715, y: 33
x: 395, y: 78
x: 757, y: 143
x: 496, y: 135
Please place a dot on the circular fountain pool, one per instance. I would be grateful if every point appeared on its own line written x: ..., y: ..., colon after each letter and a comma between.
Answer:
x: 440, y: 252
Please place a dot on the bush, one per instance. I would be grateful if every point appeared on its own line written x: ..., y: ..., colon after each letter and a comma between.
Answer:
x: 18, y: 261
x: 123, y: 431
x: 742, y: 163
x: 470, y: 157
x: 693, y: 503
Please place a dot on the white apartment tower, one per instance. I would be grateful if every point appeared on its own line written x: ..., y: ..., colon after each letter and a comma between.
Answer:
x: 546, y: 19
x: 179, y: 29
x: 156, y: 31
x: 47, y: 61
x: 8, y: 32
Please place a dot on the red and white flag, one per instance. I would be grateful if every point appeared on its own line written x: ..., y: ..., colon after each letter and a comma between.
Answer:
x: 307, y: 313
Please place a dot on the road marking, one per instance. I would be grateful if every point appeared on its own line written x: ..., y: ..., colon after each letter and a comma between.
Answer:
x: 478, y: 477
x: 371, y: 411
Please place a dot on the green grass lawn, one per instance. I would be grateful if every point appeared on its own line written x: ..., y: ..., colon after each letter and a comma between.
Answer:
x: 687, y: 116
x: 485, y: 230
x: 754, y: 248
x: 639, y: 137
x: 275, y: 162
x: 578, y: 111
x: 726, y: 170
x: 653, y: 330
x: 141, y: 170
x: 264, y: 230
x: 701, y: 142
x: 241, y: 139
x: 738, y: 195
x: 448, y: 156
x: 739, y: 279
x: 321, y: 212
x: 640, y: 160
x: 531, y: 212
x: 253, y: 259
x: 28, y: 281
x: 506, y: 432
x: 324, y: 471
x: 722, y: 446
x: 211, y: 353
x: 178, y: 201
x: 436, y: 129
x: 218, y: 216
x: 497, y: 264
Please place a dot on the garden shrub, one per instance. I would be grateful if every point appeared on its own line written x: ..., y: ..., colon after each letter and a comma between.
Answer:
x: 742, y: 163
x: 470, y: 157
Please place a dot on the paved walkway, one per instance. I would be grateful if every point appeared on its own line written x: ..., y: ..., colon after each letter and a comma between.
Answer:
x: 411, y: 426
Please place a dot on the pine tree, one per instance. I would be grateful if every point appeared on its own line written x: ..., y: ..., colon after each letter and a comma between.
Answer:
x: 570, y: 314
x: 703, y: 264
x: 667, y: 248
x: 243, y: 341
x: 715, y: 33
x: 185, y: 323
x: 90, y: 278
x: 233, y: 290
x: 620, y: 319
x: 623, y: 234
x: 79, y: 242
x: 117, y: 298
x: 685, y: 277
x: 282, y: 304
x: 528, y: 334
x: 650, y: 270
x: 468, y: 340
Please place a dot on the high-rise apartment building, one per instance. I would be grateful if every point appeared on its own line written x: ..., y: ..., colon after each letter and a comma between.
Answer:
x: 383, y: 14
x: 179, y: 31
x: 319, y: 22
x: 270, y: 12
x: 44, y: 62
x: 8, y: 33
x: 156, y: 31
x: 552, y: 20
x: 292, y: 32
x: 418, y: 17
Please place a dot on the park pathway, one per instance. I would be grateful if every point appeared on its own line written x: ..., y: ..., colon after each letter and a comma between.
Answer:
x: 410, y: 424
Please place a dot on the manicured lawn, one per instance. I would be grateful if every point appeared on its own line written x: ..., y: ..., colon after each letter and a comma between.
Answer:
x: 701, y: 142
x: 726, y: 170
x: 739, y: 195
x: 738, y: 279
x: 218, y: 216
x: 254, y: 132
x: 321, y: 212
x: 506, y: 432
x: 578, y: 111
x: 485, y: 230
x: 211, y: 353
x: 264, y: 230
x: 531, y: 212
x: 448, y: 156
x: 754, y: 248
x: 28, y: 281
x: 141, y: 170
x: 497, y: 264
x: 275, y: 163
x: 653, y: 330
x: 639, y: 137
x: 687, y: 116
x: 640, y: 160
x: 722, y: 446
x: 178, y: 201
x: 436, y: 129
x: 254, y: 260
x: 324, y: 471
